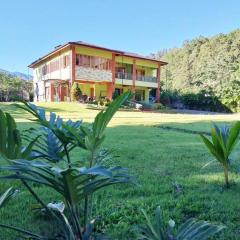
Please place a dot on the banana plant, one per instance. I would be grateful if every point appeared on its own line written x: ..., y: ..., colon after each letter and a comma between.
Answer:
x: 192, y: 229
x: 222, y: 143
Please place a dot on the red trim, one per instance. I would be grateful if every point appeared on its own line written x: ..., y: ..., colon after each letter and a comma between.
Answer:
x: 134, y: 77
x: 158, y: 82
x: 73, y: 64
x: 113, y: 72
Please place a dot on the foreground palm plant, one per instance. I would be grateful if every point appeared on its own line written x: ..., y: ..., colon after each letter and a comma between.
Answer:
x: 51, y: 166
x: 6, y: 196
x: 224, y: 139
x: 192, y: 229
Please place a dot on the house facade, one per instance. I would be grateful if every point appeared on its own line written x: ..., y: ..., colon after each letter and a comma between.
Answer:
x: 100, y: 72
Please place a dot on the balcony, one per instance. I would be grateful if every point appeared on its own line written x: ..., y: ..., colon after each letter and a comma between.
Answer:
x: 128, y: 76
x: 123, y: 75
x: 147, y: 79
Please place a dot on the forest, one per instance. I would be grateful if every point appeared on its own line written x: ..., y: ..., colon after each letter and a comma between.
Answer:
x: 14, y: 88
x: 204, y: 68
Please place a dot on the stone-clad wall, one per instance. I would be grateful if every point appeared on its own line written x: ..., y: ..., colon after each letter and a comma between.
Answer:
x: 93, y: 74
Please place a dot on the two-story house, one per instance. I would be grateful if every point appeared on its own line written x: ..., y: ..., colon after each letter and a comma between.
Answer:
x: 99, y: 71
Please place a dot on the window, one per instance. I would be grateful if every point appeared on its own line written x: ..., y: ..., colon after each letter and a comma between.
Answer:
x: 54, y: 66
x: 44, y: 70
x: 65, y: 61
x: 93, y: 62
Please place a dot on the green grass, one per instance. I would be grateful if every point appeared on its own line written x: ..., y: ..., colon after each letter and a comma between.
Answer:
x: 157, y: 158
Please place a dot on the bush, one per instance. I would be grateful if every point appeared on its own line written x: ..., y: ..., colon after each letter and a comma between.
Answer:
x: 101, y: 102
x: 203, y: 100
x: 76, y: 92
x: 168, y: 97
x: 158, y: 106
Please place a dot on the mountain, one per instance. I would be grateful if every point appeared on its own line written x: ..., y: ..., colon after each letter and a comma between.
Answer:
x: 23, y: 76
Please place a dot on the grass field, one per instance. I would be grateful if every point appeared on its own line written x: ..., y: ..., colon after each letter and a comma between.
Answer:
x: 159, y: 159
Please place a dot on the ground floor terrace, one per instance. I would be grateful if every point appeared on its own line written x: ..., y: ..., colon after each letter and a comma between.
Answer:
x: 60, y: 91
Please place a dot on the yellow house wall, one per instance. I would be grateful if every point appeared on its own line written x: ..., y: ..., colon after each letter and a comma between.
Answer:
x: 85, y: 88
x: 122, y: 59
x: 93, y: 52
x: 140, y: 62
x: 146, y: 63
x: 100, y: 90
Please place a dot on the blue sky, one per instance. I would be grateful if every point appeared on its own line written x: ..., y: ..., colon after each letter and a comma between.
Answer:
x: 30, y: 28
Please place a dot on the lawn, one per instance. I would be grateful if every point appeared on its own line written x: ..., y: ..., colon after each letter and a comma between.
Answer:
x: 159, y: 159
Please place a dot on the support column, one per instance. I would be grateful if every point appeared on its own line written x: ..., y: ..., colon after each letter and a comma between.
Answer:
x: 51, y: 92
x: 158, y: 84
x: 59, y: 93
x: 113, y: 73
x: 109, y: 90
x: 73, y: 67
x: 134, y: 77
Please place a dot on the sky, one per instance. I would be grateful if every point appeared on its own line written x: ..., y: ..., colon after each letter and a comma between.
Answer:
x: 31, y: 28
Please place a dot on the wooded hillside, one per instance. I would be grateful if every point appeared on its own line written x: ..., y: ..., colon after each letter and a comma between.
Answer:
x: 204, y: 64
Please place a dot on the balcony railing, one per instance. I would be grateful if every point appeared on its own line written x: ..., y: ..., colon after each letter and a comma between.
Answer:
x: 147, y: 79
x: 123, y: 75
x: 139, y: 78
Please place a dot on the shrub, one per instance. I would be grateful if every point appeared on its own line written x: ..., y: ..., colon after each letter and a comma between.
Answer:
x: 101, y: 102
x: 158, y: 106
x: 107, y: 104
x: 168, y: 97
x: 203, y: 100
x: 76, y: 92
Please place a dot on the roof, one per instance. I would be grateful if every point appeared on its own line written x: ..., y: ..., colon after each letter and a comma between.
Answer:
x: 81, y: 43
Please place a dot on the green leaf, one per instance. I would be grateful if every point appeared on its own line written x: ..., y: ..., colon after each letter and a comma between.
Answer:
x: 197, y: 230
x: 6, y: 196
x: 104, y: 117
x: 212, y: 149
x: 233, y: 137
x: 3, y: 133
x: 150, y: 226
